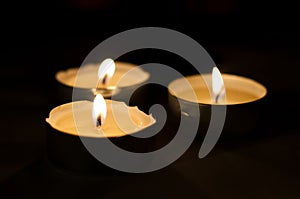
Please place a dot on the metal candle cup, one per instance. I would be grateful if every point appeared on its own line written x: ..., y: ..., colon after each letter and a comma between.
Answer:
x: 243, y: 97
x: 71, y: 123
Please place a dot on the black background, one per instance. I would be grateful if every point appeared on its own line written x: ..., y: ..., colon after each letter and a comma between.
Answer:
x: 257, y: 39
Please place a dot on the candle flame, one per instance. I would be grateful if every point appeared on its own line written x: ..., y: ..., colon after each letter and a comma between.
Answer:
x: 217, y: 86
x: 106, y: 70
x: 99, y: 110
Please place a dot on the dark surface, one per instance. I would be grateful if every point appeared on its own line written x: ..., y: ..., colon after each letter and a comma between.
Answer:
x: 254, y: 39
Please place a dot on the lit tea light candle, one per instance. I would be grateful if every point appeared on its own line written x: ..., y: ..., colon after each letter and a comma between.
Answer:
x: 241, y: 95
x: 108, y: 78
x: 96, y: 120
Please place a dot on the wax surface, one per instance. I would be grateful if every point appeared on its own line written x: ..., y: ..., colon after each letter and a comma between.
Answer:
x: 238, y: 89
x: 126, y: 74
x: 76, y: 118
x: 234, y: 96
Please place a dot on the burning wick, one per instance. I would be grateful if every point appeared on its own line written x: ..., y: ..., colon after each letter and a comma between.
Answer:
x: 217, y: 98
x: 217, y: 86
x: 106, y: 71
x: 99, y: 110
x: 104, y: 80
x: 99, y: 121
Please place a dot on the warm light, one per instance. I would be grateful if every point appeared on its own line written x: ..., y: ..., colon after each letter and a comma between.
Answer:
x: 99, y: 110
x: 217, y: 86
x: 106, y: 71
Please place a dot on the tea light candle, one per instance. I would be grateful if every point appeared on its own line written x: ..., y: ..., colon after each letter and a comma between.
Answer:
x: 239, y: 94
x: 96, y: 120
x: 108, y: 78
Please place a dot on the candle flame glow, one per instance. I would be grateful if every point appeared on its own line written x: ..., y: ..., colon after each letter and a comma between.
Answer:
x: 99, y: 110
x: 217, y: 86
x: 106, y: 71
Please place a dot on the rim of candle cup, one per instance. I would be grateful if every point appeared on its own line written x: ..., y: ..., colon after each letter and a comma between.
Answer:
x: 63, y: 76
x: 175, y: 87
x: 58, y: 109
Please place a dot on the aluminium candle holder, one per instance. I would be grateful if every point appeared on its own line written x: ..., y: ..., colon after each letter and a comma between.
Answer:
x: 66, y: 148
x: 190, y: 95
